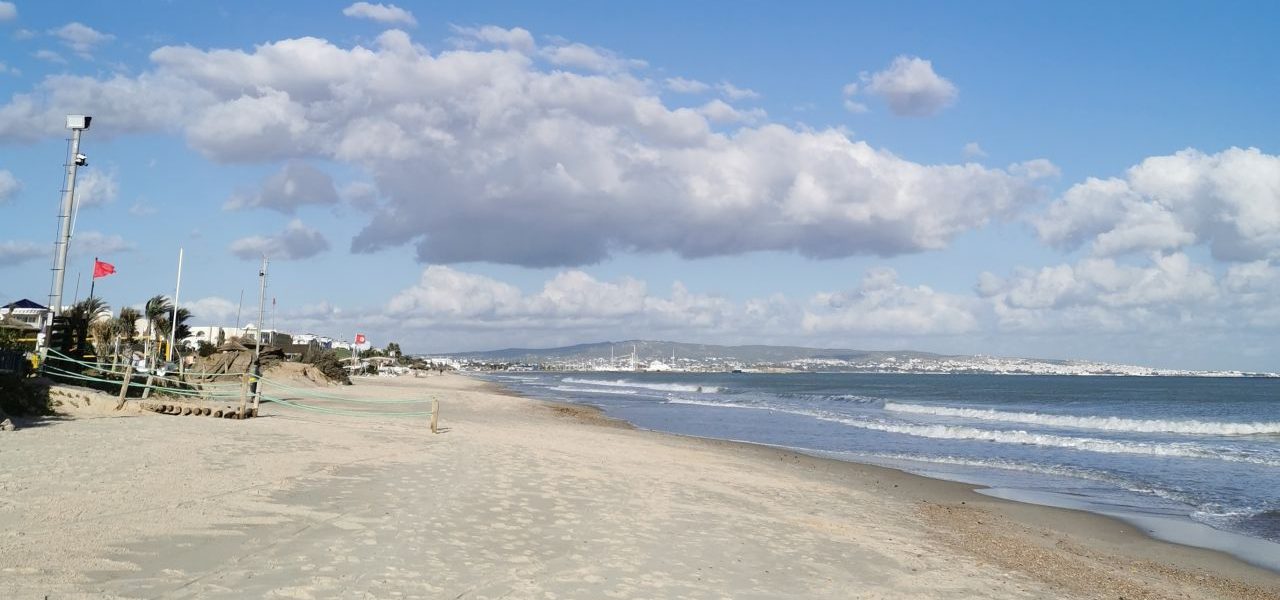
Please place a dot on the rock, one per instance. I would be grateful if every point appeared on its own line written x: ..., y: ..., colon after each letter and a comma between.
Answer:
x: 7, y: 425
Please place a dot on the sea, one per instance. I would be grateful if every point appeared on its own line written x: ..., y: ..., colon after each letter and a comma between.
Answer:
x: 1193, y: 460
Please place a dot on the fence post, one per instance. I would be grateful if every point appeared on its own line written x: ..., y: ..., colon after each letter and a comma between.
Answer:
x: 244, y: 395
x: 257, y: 391
x: 435, y: 414
x: 124, y: 386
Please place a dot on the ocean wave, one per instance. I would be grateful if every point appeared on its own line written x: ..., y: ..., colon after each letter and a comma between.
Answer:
x: 1016, y: 436
x: 679, y: 400
x: 565, y: 388
x: 1000, y: 436
x: 1057, y: 470
x: 661, y: 387
x: 1100, y: 423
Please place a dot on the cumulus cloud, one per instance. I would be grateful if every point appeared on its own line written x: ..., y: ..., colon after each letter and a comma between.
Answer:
x: 296, y: 242
x: 909, y: 86
x: 881, y: 304
x: 973, y: 150
x: 9, y: 186
x: 733, y: 92
x: 8, y: 11
x: 212, y: 310
x: 295, y: 185
x: 96, y: 243
x: 516, y: 38
x: 1100, y: 294
x: 14, y: 253
x: 382, y: 13
x: 96, y: 187
x: 719, y: 111
x: 81, y: 38
x: 686, y: 86
x: 581, y: 56
x: 491, y: 156
x: 49, y: 56
x: 1229, y: 201
x: 851, y: 104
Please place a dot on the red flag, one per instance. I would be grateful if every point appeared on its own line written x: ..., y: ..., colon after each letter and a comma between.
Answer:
x: 359, y: 338
x: 101, y: 269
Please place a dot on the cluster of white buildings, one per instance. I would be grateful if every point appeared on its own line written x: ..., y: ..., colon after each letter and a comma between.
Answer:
x: 216, y: 335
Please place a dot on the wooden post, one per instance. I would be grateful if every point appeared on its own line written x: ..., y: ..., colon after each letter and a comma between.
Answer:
x: 124, y: 386
x: 244, y: 395
x: 146, y: 391
x: 257, y: 394
x: 435, y: 414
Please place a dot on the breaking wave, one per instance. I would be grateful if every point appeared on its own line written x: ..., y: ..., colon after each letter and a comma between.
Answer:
x: 960, y: 432
x: 565, y: 388
x: 661, y: 387
x: 1100, y: 423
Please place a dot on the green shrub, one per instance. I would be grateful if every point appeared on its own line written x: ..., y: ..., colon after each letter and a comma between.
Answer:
x: 24, y: 396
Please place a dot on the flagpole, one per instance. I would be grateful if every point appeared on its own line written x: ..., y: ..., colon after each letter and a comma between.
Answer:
x: 173, y: 322
x: 92, y: 280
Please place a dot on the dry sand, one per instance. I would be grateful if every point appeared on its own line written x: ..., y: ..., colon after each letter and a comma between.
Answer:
x: 524, y: 499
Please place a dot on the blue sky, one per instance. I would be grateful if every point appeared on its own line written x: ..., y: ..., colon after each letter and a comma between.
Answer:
x: 1082, y: 181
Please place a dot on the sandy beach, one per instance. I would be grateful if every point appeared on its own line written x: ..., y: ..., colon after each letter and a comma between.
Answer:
x: 524, y: 499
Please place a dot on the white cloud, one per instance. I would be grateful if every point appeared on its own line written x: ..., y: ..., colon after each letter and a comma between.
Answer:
x: 291, y: 187
x: 96, y: 243
x: 8, y: 11
x: 361, y: 195
x: 382, y: 13
x: 9, y: 186
x: 911, y: 88
x: 881, y: 304
x: 686, y: 86
x: 296, y: 242
x: 491, y: 156
x: 1101, y: 295
x: 14, y: 253
x: 516, y: 38
x: 720, y: 111
x: 582, y: 56
x: 211, y: 310
x: 142, y: 209
x: 1229, y: 201
x: 850, y: 92
x: 733, y: 92
x: 96, y: 187
x: 81, y: 38
x: 973, y: 150
x: 49, y: 56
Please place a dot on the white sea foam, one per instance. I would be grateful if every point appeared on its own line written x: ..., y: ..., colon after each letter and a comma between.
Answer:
x: 565, y: 388
x: 1100, y: 423
x: 661, y: 387
x: 960, y: 432
x: 679, y: 400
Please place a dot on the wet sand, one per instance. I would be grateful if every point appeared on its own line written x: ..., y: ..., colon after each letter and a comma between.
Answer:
x: 526, y: 499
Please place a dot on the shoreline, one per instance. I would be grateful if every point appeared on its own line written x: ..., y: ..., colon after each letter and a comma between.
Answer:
x: 525, y: 497
x: 1115, y: 531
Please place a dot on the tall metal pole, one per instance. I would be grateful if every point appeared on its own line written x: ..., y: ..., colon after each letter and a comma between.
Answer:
x: 64, y: 229
x: 262, y: 296
x: 173, y: 321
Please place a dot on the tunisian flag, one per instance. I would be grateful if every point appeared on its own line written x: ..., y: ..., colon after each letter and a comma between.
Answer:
x: 101, y: 269
x: 359, y: 338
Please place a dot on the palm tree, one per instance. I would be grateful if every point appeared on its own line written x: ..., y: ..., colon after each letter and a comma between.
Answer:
x: 156, y: 310
x: 90, y: 309
x: 125, y: 327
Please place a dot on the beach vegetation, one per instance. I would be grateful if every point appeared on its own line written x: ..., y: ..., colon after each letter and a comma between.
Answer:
x: 23, y: 396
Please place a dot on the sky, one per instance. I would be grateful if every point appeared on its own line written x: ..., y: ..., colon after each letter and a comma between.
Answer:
x: 1086, y: 180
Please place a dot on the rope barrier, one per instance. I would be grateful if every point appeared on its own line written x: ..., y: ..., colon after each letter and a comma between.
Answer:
x: 208, y: 391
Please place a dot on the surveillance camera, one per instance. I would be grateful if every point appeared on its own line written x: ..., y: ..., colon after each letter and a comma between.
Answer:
x: 82, y: 160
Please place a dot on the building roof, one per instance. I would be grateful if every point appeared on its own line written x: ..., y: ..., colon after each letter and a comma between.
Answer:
x: 24, y: 303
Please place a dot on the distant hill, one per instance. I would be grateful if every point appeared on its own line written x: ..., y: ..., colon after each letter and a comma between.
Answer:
x: 648, y: 350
